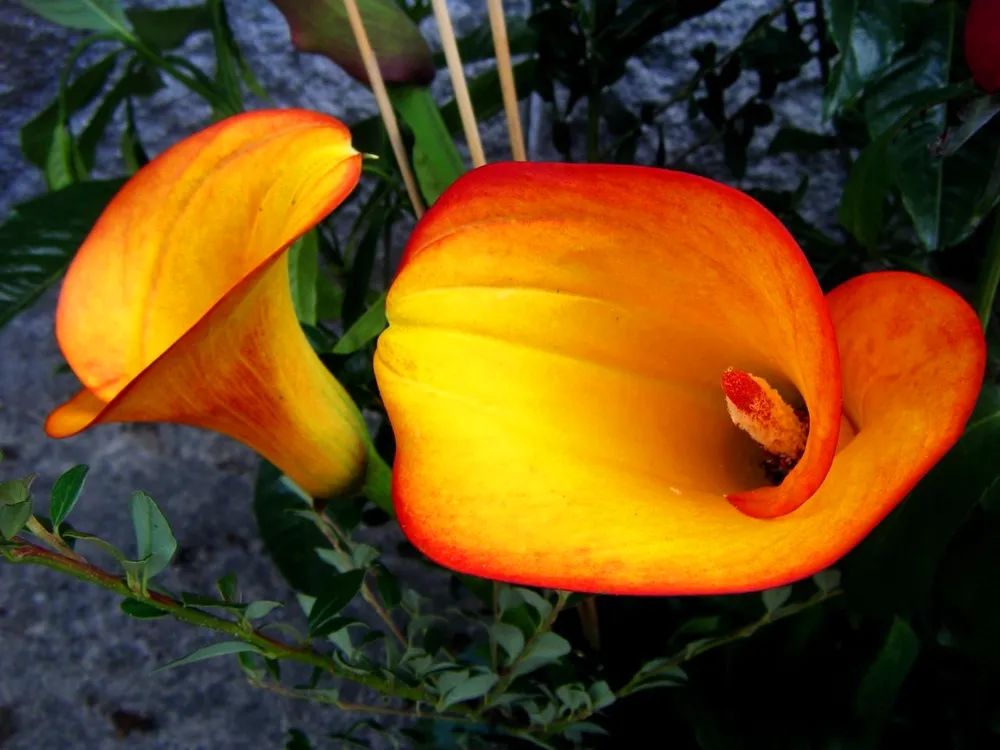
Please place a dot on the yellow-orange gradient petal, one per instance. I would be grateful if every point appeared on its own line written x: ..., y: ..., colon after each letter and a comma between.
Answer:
x: 595, y: 309
x: 577, y: 438
x: 177, y: 308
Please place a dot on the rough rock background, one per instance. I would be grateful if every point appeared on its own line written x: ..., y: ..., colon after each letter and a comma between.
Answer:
x: 70, y: 662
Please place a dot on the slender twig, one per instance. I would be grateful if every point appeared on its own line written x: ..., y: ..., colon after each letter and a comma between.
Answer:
x: 990, y: 276
x: 450, y: 46
x: 384, y: 105
x: 510, y: 672
x: 502, y: 47
x: 342, y: 547
x: 320, y: 697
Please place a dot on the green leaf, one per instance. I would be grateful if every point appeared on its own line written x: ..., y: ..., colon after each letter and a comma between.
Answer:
x: 297, y: 740
x: 388, y: 587
x: 210, y: 652
x: 547, y: 649
x: 290, y: 540
x: 887, y: 673
x: 364, y: 555
x: 365, y: 329
x: 227, y: 54
x: 321, y: 26
x: 916, y: 171
x: 601, y: 695
x: 510, y: 638
x: 863, y: 202
x: 467, y: 690
x: 259, y: 609
x: 41, y: 237
x: 827, y: 580
x: 65, y: 493
x: 62, y: 165
x: 168, y: 28
x: 798, y: 141
x: 775, y: 598
x: 892, y: 570
x: 141, y: 610
x: 38, y: 134
x: 340, y: 591
x: 868, y: 33
x: 226, y: 584
x: 153, y: 538
x: 139, y: 80
x: 15, y: 507
x: 436, y: 161
x: 133, y: 154
x: 974, y: 116
x: 93, y: 15
x: 228, y: 588
x: 487, y: 94
x: 303, y: 270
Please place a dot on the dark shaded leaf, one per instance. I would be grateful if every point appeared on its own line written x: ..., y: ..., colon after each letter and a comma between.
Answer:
x: 38, y: 135
x: 339, y: 591
x: 888, y: 672
x: 364, y: 330
x: 303, y: 271
x: 290, y: 539
x: 41, y: 237
x: 141, y: 610
x: 168, y: 28
x: 892, y: 570
x: 210, y: 652
x: 65, y: 493
x: 868, y: 33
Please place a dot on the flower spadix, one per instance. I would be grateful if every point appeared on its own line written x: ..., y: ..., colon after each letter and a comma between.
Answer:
x: 177, y: 308
x: 552, y: 372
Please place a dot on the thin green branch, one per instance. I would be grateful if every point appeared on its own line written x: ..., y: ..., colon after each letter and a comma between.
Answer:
x: 24, y: 552
x: 510, y: 672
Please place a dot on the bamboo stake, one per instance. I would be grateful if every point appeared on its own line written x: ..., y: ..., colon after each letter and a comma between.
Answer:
x: 450, y: 46
x: 499, y: 26
x: 384, y: 105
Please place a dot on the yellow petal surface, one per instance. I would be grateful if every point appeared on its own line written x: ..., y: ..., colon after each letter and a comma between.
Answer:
x: 552, y: 366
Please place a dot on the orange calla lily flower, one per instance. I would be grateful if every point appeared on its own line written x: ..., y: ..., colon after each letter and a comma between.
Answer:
x: 178, y: 308
x: 570, y: 346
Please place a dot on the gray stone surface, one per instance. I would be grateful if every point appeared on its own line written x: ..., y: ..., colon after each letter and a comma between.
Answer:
x: 68, y: 659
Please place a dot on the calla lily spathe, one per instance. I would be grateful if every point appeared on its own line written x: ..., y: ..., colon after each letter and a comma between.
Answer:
x: 552, y: 366
x: 177, y: 308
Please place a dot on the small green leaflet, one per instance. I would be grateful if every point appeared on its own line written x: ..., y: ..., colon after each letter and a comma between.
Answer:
x: 153, y: 538
x: 65, y: 493
x: 210, y: 652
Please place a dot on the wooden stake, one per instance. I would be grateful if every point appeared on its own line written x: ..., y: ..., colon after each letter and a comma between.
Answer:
x: 450, y: 46
x: 384, y: 105
x: 499, y: 26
